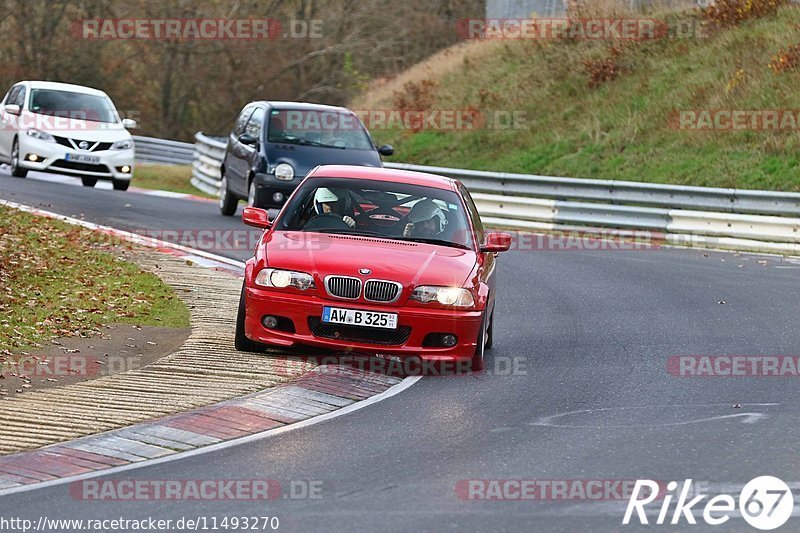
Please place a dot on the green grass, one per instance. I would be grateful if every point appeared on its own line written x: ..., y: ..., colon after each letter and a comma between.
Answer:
x: 621, y: 130
x: 56, y: 280
x: 173, y: 178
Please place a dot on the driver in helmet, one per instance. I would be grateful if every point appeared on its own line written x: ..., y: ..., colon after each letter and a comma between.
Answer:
x: 325, y: 203
x: 425, y: 220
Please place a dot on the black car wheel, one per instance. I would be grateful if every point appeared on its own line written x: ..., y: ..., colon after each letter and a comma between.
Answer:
x: 227, y: 201
x: 16, y: 171
x: 480, y: 348
x: 88, y: 181
x: 121, y: 185
x: 241, y: 342
x: 252, y: 195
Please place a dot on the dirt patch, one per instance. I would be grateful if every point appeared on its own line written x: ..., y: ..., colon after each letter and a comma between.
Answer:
x: 68, y: 360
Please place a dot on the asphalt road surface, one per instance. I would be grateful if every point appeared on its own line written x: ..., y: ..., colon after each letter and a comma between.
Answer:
x: 588, y: 336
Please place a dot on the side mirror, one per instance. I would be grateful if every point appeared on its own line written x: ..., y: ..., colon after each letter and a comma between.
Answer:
x: 12, y: 109
x: 249, y: 140
x: 496, y: 242
x: 386, y: 150
x: 257, y: 217
x: 129, y: 124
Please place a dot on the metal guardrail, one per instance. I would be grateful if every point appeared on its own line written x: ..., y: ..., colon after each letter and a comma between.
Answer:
x: 153, y: 150
x: 208, y: 154
x: 765, y: 221
x: 621, y: 192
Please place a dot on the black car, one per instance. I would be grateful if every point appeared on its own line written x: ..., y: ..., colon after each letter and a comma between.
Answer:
x: 273, y: 146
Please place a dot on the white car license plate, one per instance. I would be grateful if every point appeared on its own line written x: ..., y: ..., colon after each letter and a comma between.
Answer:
x: 354, y: 317
x: 80, y: 158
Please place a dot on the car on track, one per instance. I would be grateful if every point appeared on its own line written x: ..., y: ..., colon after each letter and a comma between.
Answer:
x: 273, y: 145
x: 373, y: 261
x: 67, y: 129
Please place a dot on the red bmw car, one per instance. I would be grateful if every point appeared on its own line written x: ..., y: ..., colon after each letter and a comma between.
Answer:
x: 373, y: 261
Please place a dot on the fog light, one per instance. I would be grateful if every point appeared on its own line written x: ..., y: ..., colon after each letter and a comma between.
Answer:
x: 277, y: 197
x: 270, y: 322
x: 33, y: 157
x: 449, y: 340
x: 125, y: 169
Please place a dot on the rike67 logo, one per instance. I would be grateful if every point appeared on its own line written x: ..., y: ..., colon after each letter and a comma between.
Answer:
x: 765, y: 503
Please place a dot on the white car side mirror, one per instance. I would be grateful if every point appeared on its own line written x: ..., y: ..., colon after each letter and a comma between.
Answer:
x: 129, y: 124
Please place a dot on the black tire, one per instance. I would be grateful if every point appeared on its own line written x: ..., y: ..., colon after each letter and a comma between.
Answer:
x: 478, y: 358
x: 121, y: 185
x: 256, y: 197
x: 489, y: 332
x: 227, y: 202
x: 16, y: 171
x: 88, y: 181
x: 241, y: 342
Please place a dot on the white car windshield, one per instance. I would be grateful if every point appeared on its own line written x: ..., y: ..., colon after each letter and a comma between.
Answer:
x: 68, y: 104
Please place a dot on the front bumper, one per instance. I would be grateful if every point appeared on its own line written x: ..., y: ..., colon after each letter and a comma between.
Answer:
x: 305, y: 311
x: 266, y: 187
x: 51, y: 157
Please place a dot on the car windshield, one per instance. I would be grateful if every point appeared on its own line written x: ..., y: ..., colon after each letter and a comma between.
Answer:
x: 73, y: 105
x: 329, y: 129
x: 379, y: 209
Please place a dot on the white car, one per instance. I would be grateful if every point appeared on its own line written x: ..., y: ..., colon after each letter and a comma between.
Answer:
x: 68, y: 129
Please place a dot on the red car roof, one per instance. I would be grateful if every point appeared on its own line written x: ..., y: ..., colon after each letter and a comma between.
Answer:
x: 384, y: 174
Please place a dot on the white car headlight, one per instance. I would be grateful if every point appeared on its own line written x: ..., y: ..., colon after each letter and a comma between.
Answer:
x: 284, y: 171
x: 41, y: 135
x: 273, y: 277
x: 454, y: 296
x: 124, y: 144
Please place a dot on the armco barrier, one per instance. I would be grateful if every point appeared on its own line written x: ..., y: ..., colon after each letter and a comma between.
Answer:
x: 152, y: 150
x: 762, y: 221
x: 208, y: 154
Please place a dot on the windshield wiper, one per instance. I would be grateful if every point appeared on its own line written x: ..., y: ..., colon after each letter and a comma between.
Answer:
x: 359, y: 232
x: 318, y: 143
x: 437, y: 241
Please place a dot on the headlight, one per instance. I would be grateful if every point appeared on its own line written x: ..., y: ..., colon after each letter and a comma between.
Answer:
x: 284, y: 171
x: 454, y: 296
x: 273, y: 277
x: 124, y: 144
x: 41, y: 135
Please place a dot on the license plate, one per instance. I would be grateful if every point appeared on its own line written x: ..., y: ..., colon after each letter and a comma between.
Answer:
x: 80, y: 158
x: 354, y: 317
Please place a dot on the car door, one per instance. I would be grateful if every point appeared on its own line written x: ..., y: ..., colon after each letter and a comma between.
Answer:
x: 8, y: 123
x: 236, y: 167
x: 253, y: 129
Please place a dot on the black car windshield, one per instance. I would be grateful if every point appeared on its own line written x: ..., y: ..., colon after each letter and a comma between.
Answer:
x: 330, y: 129
x: 379, y: 209
x: 73, y: 105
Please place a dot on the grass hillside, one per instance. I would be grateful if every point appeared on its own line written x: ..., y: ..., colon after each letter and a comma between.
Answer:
x: 620, y: 128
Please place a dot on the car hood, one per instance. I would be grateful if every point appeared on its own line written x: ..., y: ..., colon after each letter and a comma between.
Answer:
x: 74, y: 128
x: 304, y: 158
x: 409, y: 263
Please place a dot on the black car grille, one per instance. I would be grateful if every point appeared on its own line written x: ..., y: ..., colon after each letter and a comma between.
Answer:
x: 343, y: 287
x: 94, y: 146
x: 387, y: 337
x: 381, y: 291
x: 86, y: 167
